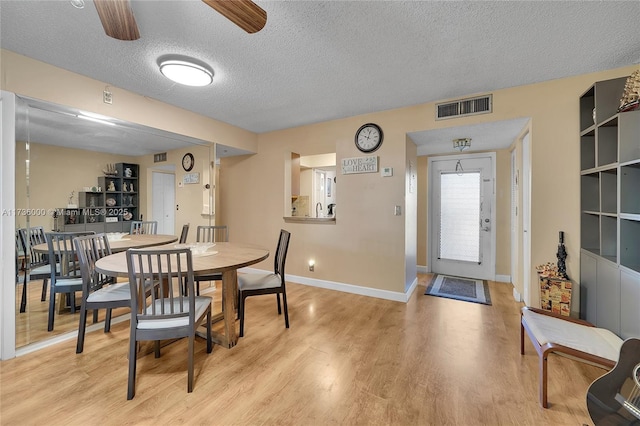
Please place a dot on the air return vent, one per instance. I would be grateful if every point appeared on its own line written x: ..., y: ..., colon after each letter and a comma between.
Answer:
x: 470, y: 106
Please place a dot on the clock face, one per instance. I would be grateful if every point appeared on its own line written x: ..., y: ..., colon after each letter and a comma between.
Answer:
x: 187, y: 162
x: 369, y: 137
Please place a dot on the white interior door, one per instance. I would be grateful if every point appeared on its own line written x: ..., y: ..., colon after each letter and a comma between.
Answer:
x: 462, y: 199
x: 163, y: 200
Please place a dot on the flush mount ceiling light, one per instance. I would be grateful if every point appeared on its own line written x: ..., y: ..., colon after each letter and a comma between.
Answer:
x: 78, y: 4
x: 186, y: 71
x: 462, y: 144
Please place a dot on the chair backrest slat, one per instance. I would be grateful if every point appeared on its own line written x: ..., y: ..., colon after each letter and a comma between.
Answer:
x: 62, y: 250
x: 281, y: 253
x: 155, y: 276
x: 144, y: 227
x: 89, y: 249
x: 212, y: 234
x: 183, y: 235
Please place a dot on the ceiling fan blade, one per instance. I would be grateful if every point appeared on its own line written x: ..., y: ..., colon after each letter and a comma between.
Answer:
x: 244, y: 13
x: 117, y: 19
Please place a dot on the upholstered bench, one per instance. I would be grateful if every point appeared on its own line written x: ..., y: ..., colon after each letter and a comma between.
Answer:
x: 574, y: 338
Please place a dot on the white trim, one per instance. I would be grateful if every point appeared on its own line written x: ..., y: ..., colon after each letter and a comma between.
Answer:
x: 422, y: 269
x: 517, y: 296
x: 7, y: 225
x: 36, y: 346
x: 346, y: 288
x: 503, y: 278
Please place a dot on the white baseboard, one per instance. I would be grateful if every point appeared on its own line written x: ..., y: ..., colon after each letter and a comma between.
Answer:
x: 423, y: 269
x: 516, y: 295
x: 346, y: 288
x: 503, y: 278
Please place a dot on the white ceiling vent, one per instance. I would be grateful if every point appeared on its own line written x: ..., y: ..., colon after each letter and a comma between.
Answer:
x: 469, y: 106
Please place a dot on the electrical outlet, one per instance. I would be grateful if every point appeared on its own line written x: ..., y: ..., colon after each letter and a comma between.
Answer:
x: 397, y: 211
x: 107, y: 98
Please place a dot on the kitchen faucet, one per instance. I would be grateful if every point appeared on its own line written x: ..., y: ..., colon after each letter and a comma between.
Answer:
x: 318, y: 205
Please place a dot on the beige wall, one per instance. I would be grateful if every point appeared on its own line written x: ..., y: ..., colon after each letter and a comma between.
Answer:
x: 54, y: 173
x: 367, y: 244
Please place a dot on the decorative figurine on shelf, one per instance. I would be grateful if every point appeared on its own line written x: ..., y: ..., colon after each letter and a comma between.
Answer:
x: 92, y: 202
x: 127, y: 172
x: 131, y: 187
x: 112, y: 186
x: 124, y: 186
x: 562, y: 256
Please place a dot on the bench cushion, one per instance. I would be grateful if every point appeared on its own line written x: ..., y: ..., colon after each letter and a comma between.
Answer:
x: 592, y: 340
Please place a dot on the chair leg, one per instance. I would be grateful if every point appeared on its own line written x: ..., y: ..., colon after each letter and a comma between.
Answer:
x: 543, y: 380
x: 81, y: 329
x: 23, y: 299
x: 286, y: 310
x: 107, y: 321
x: 209, y: 339
x: 279, y: 307
x: 131, y: 386
x: 156, y: 345
x: 45, y: 284
x: 241, y: 313
x: 52, y: 303
x: 190, y: 362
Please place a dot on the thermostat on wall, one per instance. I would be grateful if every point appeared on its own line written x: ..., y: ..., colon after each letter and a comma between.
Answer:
x: 387, y: 171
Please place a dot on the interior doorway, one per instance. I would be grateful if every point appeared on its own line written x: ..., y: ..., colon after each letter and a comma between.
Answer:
x: 462, y: 215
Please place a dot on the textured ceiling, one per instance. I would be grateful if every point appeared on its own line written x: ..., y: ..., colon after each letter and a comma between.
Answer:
x: 317, y: 61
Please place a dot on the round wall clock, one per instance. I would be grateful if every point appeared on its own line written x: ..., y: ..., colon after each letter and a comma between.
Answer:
x: 369, y: 137
x: 187, y: 162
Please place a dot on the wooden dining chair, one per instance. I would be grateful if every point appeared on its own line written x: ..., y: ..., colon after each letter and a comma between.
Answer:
x: 184, y: 233
x: 36, y: 263
x: 98, y: 291
x: 210, y: 234
x: 164, y: 313
x: 253, y: 284
x: 64, y: 268
x: 144, y: 227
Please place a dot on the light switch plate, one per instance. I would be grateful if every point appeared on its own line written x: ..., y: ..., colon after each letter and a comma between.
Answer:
x: 397, y: 211
x: 387, y: 171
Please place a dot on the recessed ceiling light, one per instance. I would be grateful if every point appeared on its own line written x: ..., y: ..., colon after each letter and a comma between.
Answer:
x: 186, y: 72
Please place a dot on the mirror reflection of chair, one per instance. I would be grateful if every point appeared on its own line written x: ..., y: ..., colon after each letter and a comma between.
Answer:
x: 98, y: 291
x: 65, y: 277
x: 184, y: 233
x: 144, y: 227
x: 164, y: 313
x: 210, y: 234
x: 36, y: 263
x: 253, y: 284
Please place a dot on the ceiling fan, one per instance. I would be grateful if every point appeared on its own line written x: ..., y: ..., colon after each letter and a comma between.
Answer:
x: 118, y: 20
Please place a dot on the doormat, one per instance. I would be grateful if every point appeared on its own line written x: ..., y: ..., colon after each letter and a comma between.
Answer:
x: 466, y: 289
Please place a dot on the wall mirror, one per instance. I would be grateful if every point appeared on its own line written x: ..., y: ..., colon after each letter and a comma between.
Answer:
x: 59, y: 151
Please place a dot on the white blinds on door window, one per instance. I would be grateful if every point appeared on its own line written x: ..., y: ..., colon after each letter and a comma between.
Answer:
x: 460, y: 216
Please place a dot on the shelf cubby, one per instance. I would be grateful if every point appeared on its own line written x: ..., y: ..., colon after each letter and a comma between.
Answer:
x: 607, y: 141
x: 629, y: 136
x: 609, y: 238
x: 609, y: 191
x: 629, y: 238
x: 590, y: 192
x: 588, y: 150
x: 587, y: 104
x: 629, y: 188
x: 590, y: 232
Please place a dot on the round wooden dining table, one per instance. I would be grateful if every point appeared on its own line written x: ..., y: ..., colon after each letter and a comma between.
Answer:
x: 126, y: 242
x: 225, y: 258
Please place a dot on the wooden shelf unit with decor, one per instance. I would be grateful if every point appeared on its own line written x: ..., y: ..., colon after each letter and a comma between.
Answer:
x: 110, y: 210
x: 610, y: 210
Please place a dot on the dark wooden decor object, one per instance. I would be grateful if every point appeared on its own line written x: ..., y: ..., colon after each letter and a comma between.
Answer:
x: 562, y: 256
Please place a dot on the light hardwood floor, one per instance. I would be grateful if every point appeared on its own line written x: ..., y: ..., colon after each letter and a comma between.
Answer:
x: 346, y: 359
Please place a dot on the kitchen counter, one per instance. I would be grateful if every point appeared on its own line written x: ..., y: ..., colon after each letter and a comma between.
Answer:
x: 305, y: 219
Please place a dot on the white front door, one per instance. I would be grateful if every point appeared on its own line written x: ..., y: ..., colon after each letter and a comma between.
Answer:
x: 163, y: 201
x: 462, y: 198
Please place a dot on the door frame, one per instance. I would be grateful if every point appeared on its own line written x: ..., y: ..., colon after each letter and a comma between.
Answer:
x: 430, y: 214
